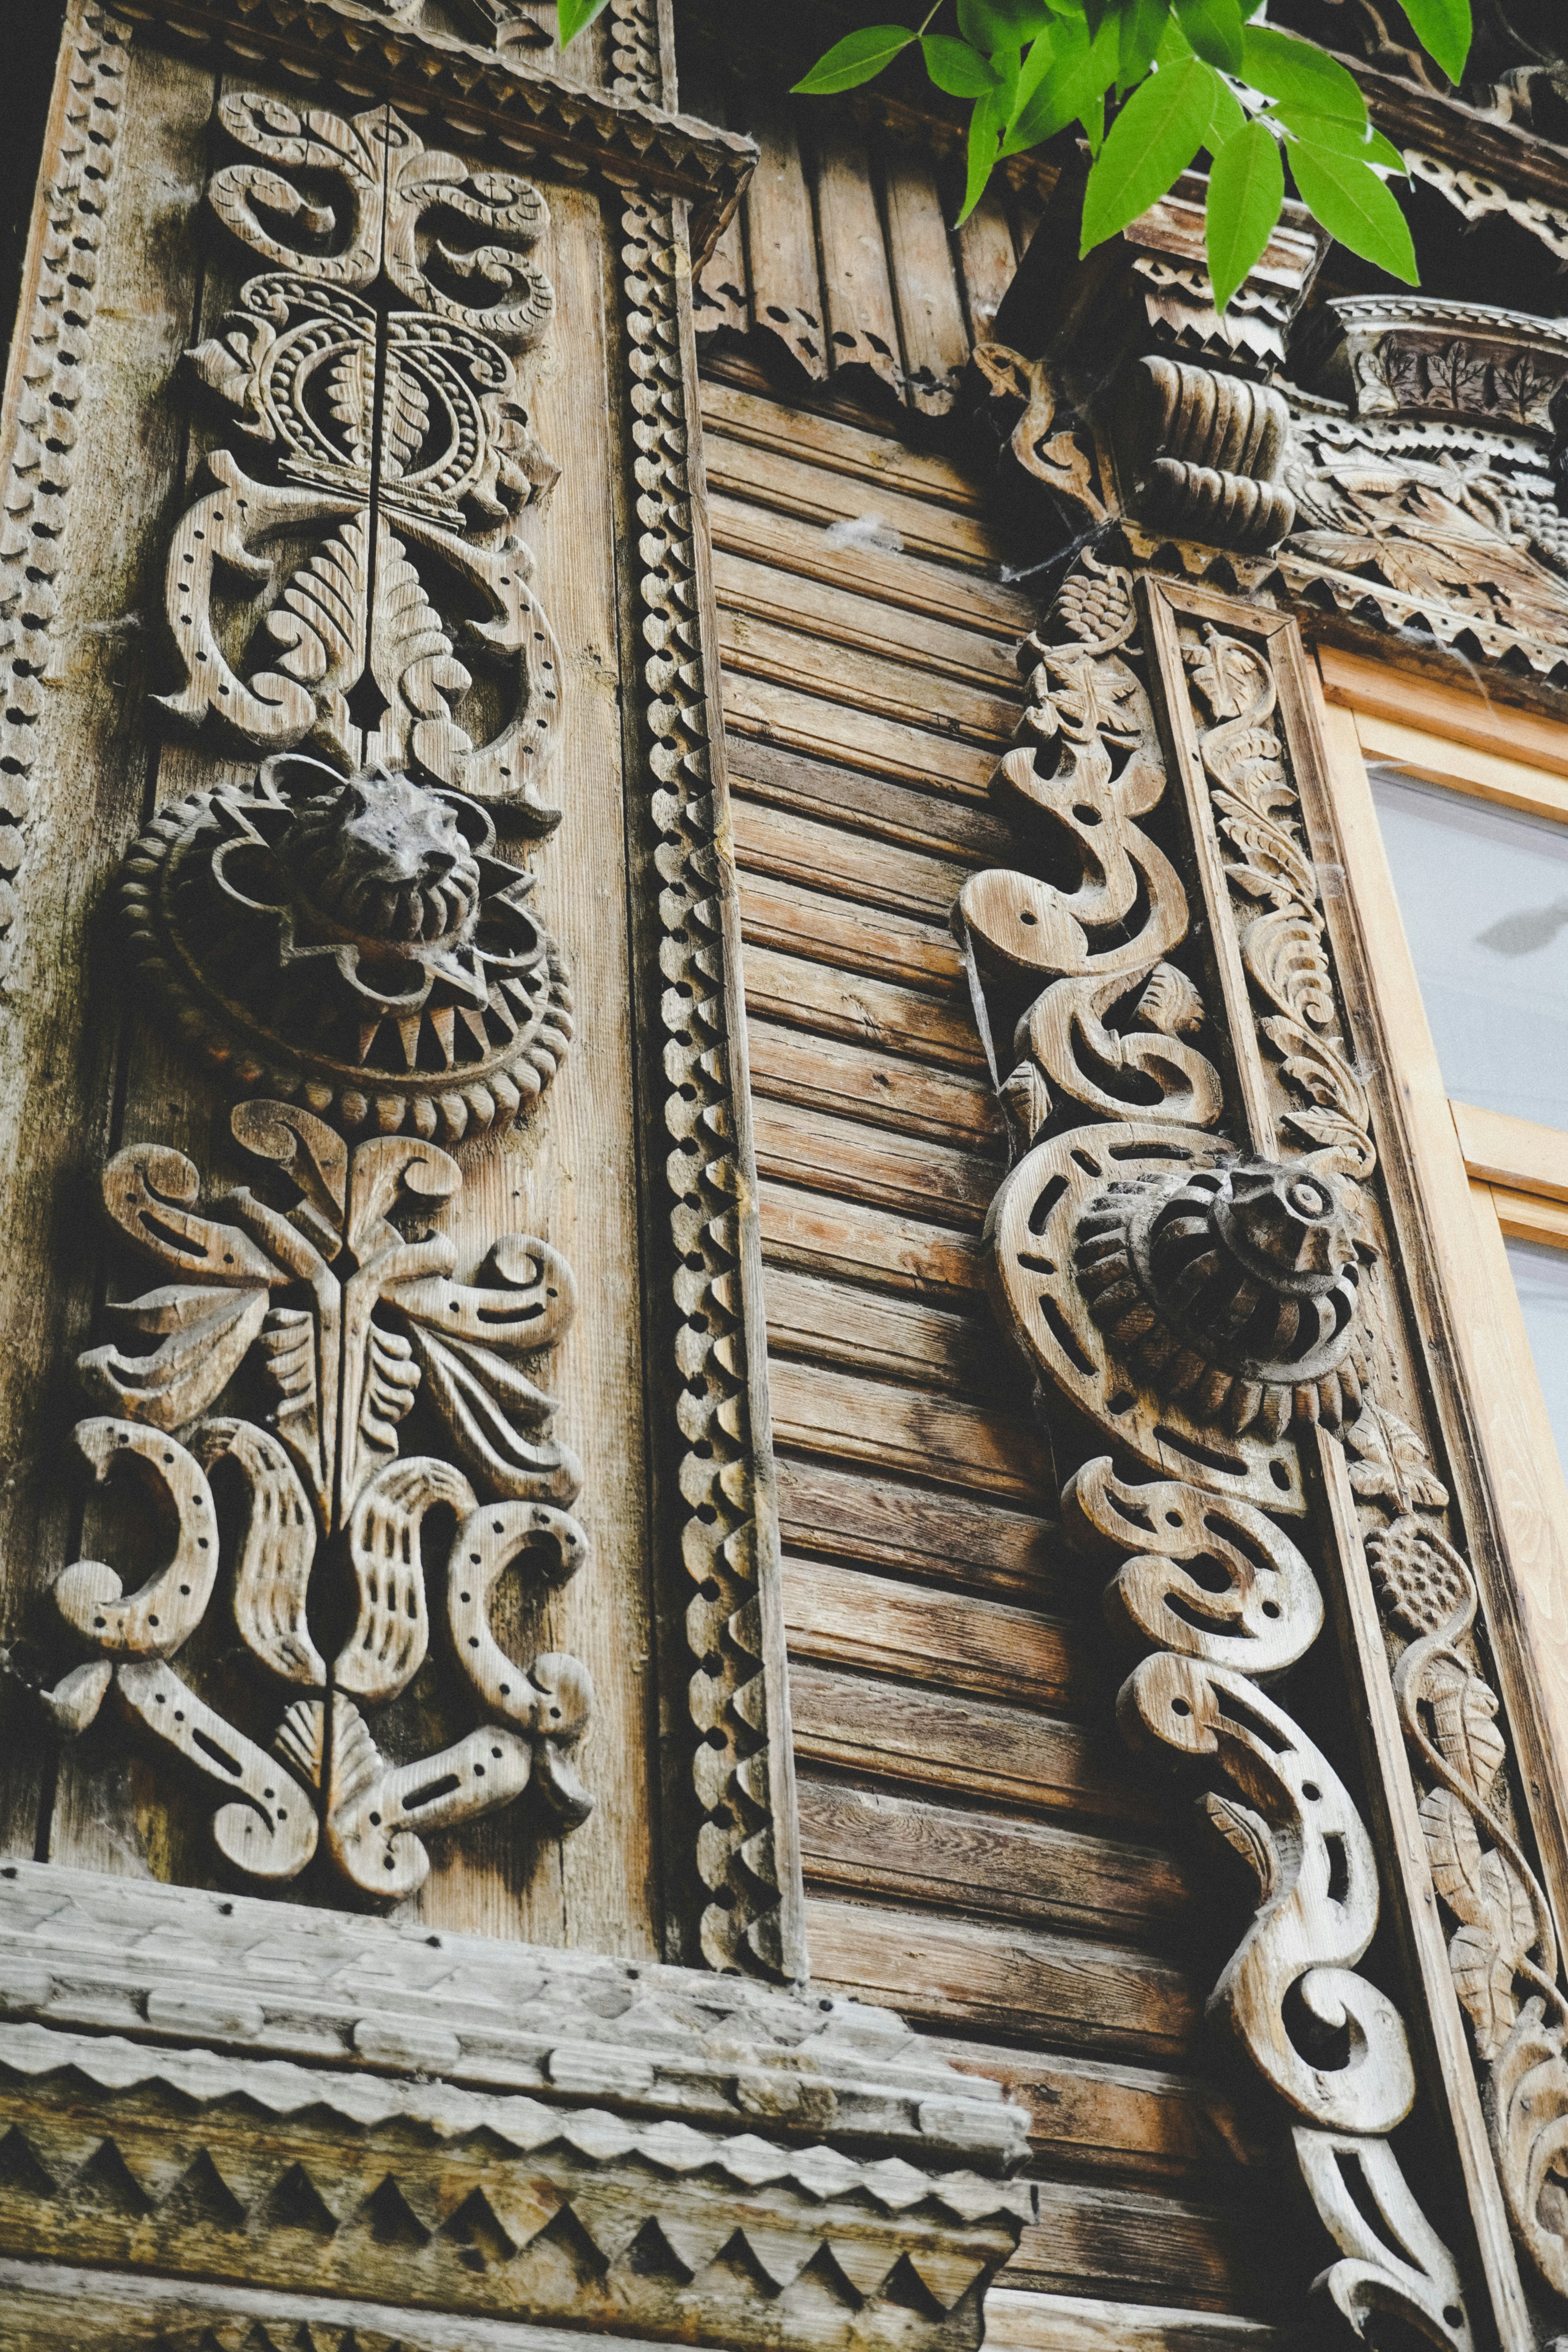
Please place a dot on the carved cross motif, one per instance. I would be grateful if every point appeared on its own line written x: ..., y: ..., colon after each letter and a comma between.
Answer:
x: 346, y: 1315
x: 370, y: 370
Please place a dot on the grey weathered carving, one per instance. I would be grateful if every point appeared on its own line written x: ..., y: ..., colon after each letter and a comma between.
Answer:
x: 355, y: 945
x: 346, y: 1316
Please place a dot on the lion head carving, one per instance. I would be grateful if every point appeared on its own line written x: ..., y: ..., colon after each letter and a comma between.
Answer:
x: 384, y: 857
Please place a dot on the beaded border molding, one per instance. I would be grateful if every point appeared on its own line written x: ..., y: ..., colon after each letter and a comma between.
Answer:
x: 50, y: 376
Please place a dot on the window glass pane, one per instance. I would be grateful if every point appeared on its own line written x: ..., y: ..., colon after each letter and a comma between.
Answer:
x: 1484, y: 895
x: 1541, y: 1277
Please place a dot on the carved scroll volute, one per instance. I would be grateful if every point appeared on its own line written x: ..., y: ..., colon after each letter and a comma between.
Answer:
x: 1202, y: 1308
x: 347, y: 1314
x: 1089, y: 767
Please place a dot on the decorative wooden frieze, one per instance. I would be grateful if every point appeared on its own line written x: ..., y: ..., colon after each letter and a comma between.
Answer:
x: 1219, y: 1312
x: 743, y: 1764
x: 292, y: 2177
x: 156, y: 1963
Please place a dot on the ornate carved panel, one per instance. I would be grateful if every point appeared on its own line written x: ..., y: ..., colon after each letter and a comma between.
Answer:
x: 370, y: 1526
x: 1212, y: 1289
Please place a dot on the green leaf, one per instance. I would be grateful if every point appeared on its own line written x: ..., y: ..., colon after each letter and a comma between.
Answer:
x: 1214, y: 28
x: 957, y: 69
x: 1247, y: 188
x: 1444, y: 29
x: 1140, y: 27
x: 1080, y: 71
x: 1152, y: 140
x: 1354, y: 207
x: 852, y: 61
x: 573, y: 15
x: 992, y: 25
x: 1299, y: 74
x: 1226, y: 118
x: 984, y: 139
x: 1339, y: 138
x: 1044, y: 52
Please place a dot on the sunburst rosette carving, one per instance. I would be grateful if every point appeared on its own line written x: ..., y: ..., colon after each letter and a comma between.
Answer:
x: 351, y: 945
x: 1235, y: 1289
x: 1121, y: 1170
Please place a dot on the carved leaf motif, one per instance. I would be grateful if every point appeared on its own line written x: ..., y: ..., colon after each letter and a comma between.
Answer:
x: 391, y: 1380
x: 1456, y: 378
x: 1520, y: 391
x: 1454, y: 1856
x: 405, y: 420
x: 412, y: 657
x: 350, y: 396
x: 321, y: 615
x: 1392, y: 1462
x: 1463, y: 1726
x: 1228, y: 675
x: 1249, y: 1834
x: 208, y: 1333
x: 1483, y: 1979
x: 1527, y: 2111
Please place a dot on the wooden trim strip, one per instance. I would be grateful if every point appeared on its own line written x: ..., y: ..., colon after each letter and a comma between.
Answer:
x: 1019, y: 2322
x: 1373, y: 686
x: 1483, y: 775
x: 1515, y: 1152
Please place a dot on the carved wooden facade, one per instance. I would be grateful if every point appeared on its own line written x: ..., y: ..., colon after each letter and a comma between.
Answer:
x: 754, y: 1587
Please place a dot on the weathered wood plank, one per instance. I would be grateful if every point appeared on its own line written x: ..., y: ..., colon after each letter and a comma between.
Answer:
x: 860, y: 1163
x: 850, y: 1241
x: 1065, y: 1989
x: 983, y: 1449
x: 931, y: 315
x: 831, y: 1002
x: 1119, y: 2240
x: 891, y: 1338
x: 767, y: 592
x: 781, y: 239
x: 792, y: 847
x: 865, y: 681
x: 862, y: 331
x: 866, y: 1840
x: 822, y: 1074
x: 833, y: 731
x: 883, y: 458
x: 768, y: 478
x: 879, y: 809
x: 832, y: 930
x: 842, y: 1616
x: 893, y: 577
x: 987, y: 263
x: 945, y: 1537
x: 1092, y: 2114
x: 927, y: 1740
x: 1028, y: 2322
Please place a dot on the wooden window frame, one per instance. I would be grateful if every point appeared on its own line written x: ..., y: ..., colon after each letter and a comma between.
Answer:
x: 1484, y: 1178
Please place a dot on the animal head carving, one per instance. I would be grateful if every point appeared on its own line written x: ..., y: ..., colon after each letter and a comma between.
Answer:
x: 385, y: 858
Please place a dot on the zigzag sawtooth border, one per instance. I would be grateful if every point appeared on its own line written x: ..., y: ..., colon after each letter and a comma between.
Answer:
x: 52, y: 359
x: 737, y: 1693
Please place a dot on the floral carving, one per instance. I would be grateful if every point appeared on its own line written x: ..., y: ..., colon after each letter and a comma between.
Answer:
x: 357, y: 946
x: 345, y: 1316
x: 396, y: 447
x: 1282, y: 945
x: 1090, y: 766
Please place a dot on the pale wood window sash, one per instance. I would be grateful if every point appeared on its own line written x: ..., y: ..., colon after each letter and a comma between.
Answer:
x: 1484, y: 1178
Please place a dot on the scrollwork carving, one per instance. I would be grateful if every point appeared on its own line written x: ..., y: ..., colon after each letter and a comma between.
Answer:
x: 346, y: 1316
x: 1089, y: 767
x: 1201, y: 1308
x: 402, y: 455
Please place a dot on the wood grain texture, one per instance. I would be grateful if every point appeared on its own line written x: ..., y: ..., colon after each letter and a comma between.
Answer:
x: 886, y: 1336
x: 1078, y: 1994
x: 954, y: 1639
x: 870, y: 1843
x: 936, y: 1740
x: 845, y: 1239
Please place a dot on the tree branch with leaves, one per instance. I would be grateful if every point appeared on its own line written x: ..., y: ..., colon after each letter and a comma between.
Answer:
x: 1152, y: 84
